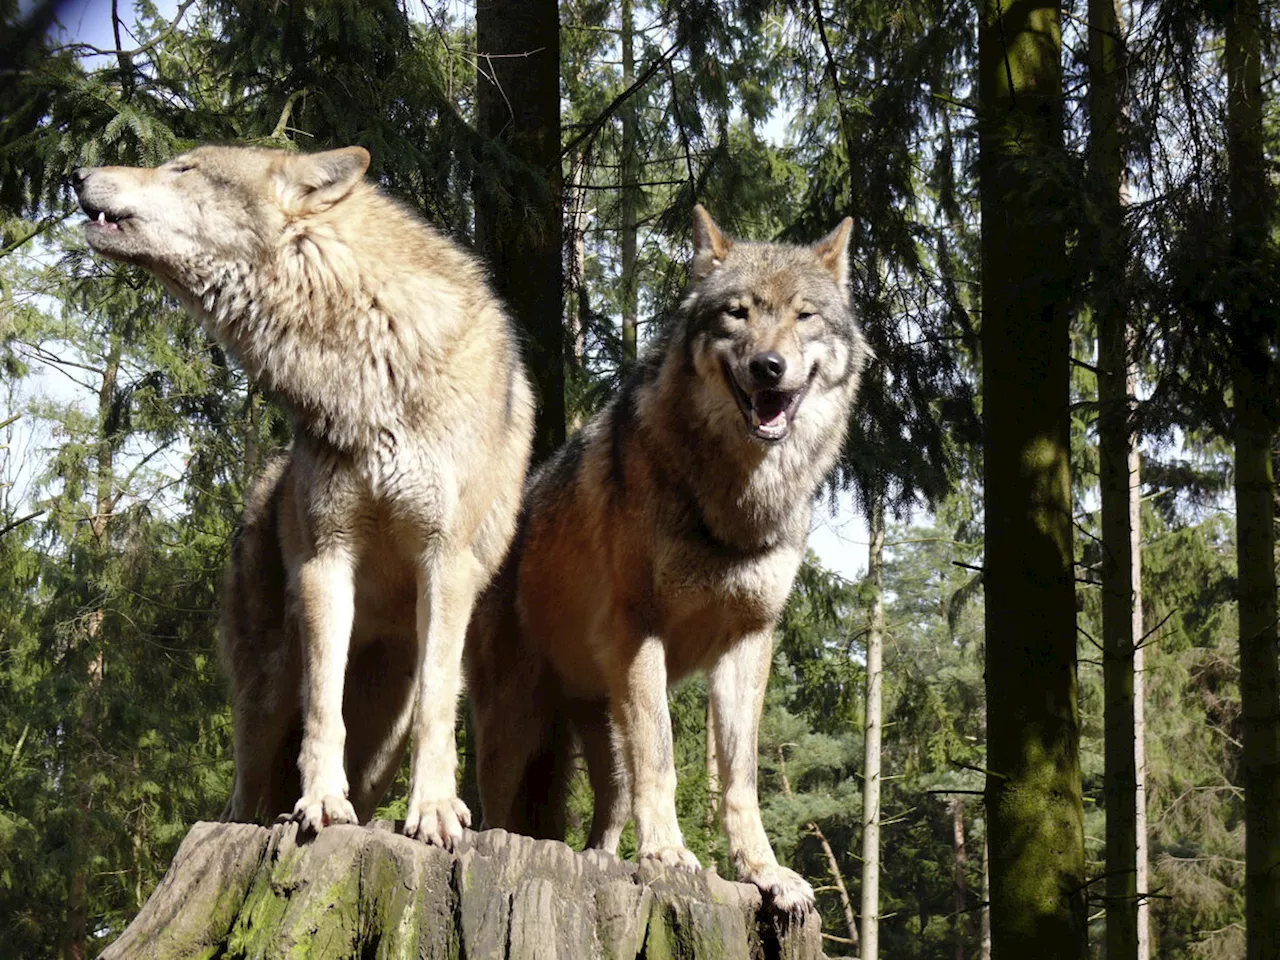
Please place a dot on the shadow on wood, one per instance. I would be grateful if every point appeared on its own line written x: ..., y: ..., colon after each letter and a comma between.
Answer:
x: 239, y: 890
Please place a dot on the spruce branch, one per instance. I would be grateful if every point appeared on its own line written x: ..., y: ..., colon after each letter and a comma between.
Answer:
x: 598, y: 123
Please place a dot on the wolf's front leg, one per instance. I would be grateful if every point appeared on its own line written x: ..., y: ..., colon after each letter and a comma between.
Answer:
x: 737, y: 686
x: 326, y: 591
x: 639, y: 704
x: 447, y: 591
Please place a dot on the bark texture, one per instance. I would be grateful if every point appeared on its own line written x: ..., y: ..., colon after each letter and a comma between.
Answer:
x: 1033, y: 791
x: 1253, y: 398
x: 1121, y: 571
x: 960, y: 890
x: 519, y: 208
x: 240, y: 891
x: 871, y: 773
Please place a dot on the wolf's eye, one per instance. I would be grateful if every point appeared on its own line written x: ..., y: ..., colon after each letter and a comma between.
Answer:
x: 738, y: 313
x: 182, y: 167
x: 805, y: 316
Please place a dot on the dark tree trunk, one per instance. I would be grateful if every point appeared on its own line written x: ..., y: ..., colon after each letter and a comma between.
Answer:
x: 519, y: 209
x: 959, y: 883
x: 1118, y: 465
x: 1033, y: 793
x: 1254, y: 483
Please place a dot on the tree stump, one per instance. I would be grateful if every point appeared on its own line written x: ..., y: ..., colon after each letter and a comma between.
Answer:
x: 243, y: 891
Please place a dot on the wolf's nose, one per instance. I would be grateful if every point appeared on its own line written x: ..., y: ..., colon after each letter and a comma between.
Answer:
x: 78, y: 176
x: 767, y: 368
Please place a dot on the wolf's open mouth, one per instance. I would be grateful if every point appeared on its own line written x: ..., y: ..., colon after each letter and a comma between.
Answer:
x: 768, y: 412
x: 101, y: 219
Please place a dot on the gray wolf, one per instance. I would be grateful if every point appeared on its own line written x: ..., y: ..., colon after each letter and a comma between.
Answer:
x: 364, y: 548
x: 663, y: 539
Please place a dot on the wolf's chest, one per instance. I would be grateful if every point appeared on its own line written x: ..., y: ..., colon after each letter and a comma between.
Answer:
x: 708, y: 603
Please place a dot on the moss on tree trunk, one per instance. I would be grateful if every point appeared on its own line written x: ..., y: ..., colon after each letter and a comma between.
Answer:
x: 1033, y: 785
x: 242, y: 891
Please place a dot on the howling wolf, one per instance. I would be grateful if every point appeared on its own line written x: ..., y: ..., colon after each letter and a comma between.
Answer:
x: 363, y: 548
x: 664, y: 539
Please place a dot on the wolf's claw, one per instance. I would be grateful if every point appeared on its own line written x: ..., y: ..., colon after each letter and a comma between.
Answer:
x: 673, y: 856
x: 786, y: 890
x: 438, y: 822
x: 315, y: 813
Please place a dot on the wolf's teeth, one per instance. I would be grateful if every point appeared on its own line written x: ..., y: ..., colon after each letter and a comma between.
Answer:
x: 102, y: 216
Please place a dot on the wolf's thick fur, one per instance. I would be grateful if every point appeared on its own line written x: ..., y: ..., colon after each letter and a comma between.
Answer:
x: 664, y: 539
x: 364, y: 548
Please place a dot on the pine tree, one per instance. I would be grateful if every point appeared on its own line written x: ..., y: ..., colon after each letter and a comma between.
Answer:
x: 1118, y: 457
x: 518, y: 220
x: 1253, y: 327
x: 1033, y: 782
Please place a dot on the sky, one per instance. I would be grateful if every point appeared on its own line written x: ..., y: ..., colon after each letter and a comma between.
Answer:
x: 839, y: 538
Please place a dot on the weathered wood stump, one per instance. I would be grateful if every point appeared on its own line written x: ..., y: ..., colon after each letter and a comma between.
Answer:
x: 242, y: 891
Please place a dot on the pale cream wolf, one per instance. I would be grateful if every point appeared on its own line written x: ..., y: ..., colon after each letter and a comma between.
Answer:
x: 664, y: 539
x: 364, y: 548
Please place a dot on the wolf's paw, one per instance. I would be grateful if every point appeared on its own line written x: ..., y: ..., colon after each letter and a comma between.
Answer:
x: 672, y: 856
x: 786, y: 890
x: 440, y: 822
x: 315, y: 813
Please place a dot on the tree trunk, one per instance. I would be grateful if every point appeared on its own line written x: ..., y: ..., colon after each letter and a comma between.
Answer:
x: 237, y: 890
x: 75, y: 935
x: 1033, y: 791
x: 1254, y: 486
x: 713, y: 776
x: 959, y: 886
x: 252, y: 438
x: 518, y: 221
x: 1140, y: 746
x: 874, y: 730
x: 630, y: 177
x: 984, y: 951
x: 580, y: 309
x: 1119, y: 482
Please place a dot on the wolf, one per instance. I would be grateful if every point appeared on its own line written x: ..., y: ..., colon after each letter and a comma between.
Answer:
x: 663, y: 539
x: 364, y: 547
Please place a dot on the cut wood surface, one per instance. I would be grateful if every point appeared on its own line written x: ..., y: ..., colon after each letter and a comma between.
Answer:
x: 239, y: 890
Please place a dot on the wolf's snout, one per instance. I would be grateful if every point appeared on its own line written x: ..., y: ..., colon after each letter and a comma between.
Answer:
x: 768, y: 368
x: 79, y: 176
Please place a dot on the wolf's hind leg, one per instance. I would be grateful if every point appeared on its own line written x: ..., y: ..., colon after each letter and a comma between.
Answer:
x: 447, y: 586
x: 737, y: 686
x: 378, y: 707
x: 265, y: 712
x: 611, y: 792
x: 514, y: 702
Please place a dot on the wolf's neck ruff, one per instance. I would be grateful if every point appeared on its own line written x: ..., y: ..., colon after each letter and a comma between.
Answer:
x: 347, y: 393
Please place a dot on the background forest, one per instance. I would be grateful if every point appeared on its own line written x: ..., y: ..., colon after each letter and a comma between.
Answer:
x: 1133, y: 173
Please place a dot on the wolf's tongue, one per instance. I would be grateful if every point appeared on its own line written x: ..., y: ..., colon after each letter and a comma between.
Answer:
x: 770, y: 406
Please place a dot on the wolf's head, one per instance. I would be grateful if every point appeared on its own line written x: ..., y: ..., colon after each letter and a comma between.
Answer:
x: 770, y: 328
x: 211, y: 206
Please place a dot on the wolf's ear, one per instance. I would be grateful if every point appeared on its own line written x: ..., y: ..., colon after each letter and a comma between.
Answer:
x: 833, y: 251
x: 313, y: 181
x: 709, y: 243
